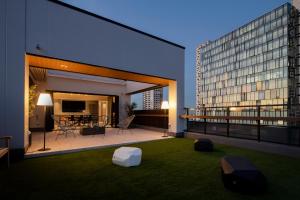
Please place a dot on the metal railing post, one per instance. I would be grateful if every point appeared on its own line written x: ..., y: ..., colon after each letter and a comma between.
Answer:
x: 187, y: 119
x: 228, y: 125
x: 205, y: 121
x: 258, y: 123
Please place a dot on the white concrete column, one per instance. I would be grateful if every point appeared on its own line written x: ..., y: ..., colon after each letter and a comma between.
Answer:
x: 26, y: 104
x: 176, y: 103
x: 123, y: 100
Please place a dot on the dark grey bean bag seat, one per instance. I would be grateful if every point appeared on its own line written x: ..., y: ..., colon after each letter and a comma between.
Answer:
x: 240, y: 175
x: 203, y: 144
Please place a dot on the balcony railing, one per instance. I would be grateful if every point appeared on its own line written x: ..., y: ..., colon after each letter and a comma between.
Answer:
x: 271, y: 123
x: 152, y: 118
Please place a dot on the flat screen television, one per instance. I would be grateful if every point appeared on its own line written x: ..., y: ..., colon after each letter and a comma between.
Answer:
x: 73, y: 106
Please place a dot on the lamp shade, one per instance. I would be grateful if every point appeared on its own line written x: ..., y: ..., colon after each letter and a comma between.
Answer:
x: 165, y: 105
x: 44, y: 100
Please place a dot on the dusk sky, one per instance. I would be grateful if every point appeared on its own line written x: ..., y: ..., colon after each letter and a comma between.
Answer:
x: 186, y: 22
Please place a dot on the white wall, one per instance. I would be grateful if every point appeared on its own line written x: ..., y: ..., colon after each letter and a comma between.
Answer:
x: 73, y: 85
x: 132, y: 86
x: 91, y: 99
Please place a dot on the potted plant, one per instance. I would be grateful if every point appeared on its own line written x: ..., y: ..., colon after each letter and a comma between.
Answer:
x: 32, y: 105
x: 130, y: 108
x: 32, y: 98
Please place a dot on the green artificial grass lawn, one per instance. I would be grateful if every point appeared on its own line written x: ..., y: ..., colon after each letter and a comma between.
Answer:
x: 170, y: 169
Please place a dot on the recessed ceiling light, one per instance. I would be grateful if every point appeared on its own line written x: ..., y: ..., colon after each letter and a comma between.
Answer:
x: 64, y: 66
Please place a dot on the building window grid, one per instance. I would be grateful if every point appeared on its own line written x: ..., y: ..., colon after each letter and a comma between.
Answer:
x: 250, y: 62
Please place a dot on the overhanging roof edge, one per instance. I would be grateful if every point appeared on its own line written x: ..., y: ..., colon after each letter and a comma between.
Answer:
x: 114, y: 22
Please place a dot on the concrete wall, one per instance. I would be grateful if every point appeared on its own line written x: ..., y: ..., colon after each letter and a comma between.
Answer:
x: 2, y: 65
x: 12, y: 70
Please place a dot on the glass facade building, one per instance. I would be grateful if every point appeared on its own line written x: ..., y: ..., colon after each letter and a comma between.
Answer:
x: 256, y: 64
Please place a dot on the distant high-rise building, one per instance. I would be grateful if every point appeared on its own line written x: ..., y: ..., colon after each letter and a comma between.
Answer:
x: 256, y: 64
x: 152, y: 99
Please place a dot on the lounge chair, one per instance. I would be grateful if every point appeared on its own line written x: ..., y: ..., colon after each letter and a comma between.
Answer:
x: 124, y: 124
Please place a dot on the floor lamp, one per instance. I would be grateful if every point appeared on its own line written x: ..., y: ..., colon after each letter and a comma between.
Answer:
x: 165, y: 106
x: 44, y: 100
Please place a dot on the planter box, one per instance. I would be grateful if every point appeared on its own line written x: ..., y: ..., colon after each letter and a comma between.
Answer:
x: 92, y: 131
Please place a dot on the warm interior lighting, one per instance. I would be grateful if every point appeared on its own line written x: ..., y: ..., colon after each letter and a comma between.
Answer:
x: 233, y: 109
x: 44, y: 100
x: 165, y: 105
x: 64, y: 66
x: 74, y: 67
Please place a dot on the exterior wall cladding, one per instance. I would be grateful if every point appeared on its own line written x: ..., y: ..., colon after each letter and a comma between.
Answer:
x: 256, y: 64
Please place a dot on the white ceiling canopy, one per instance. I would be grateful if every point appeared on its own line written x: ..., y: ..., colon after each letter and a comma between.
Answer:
x: 131, y: 86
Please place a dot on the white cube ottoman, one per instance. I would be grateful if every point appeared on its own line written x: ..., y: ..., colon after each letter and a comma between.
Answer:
x: 127, y: 156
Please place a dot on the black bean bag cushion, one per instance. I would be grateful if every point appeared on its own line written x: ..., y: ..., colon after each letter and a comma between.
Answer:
x: 203, y: 145
x: 239, y: 174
